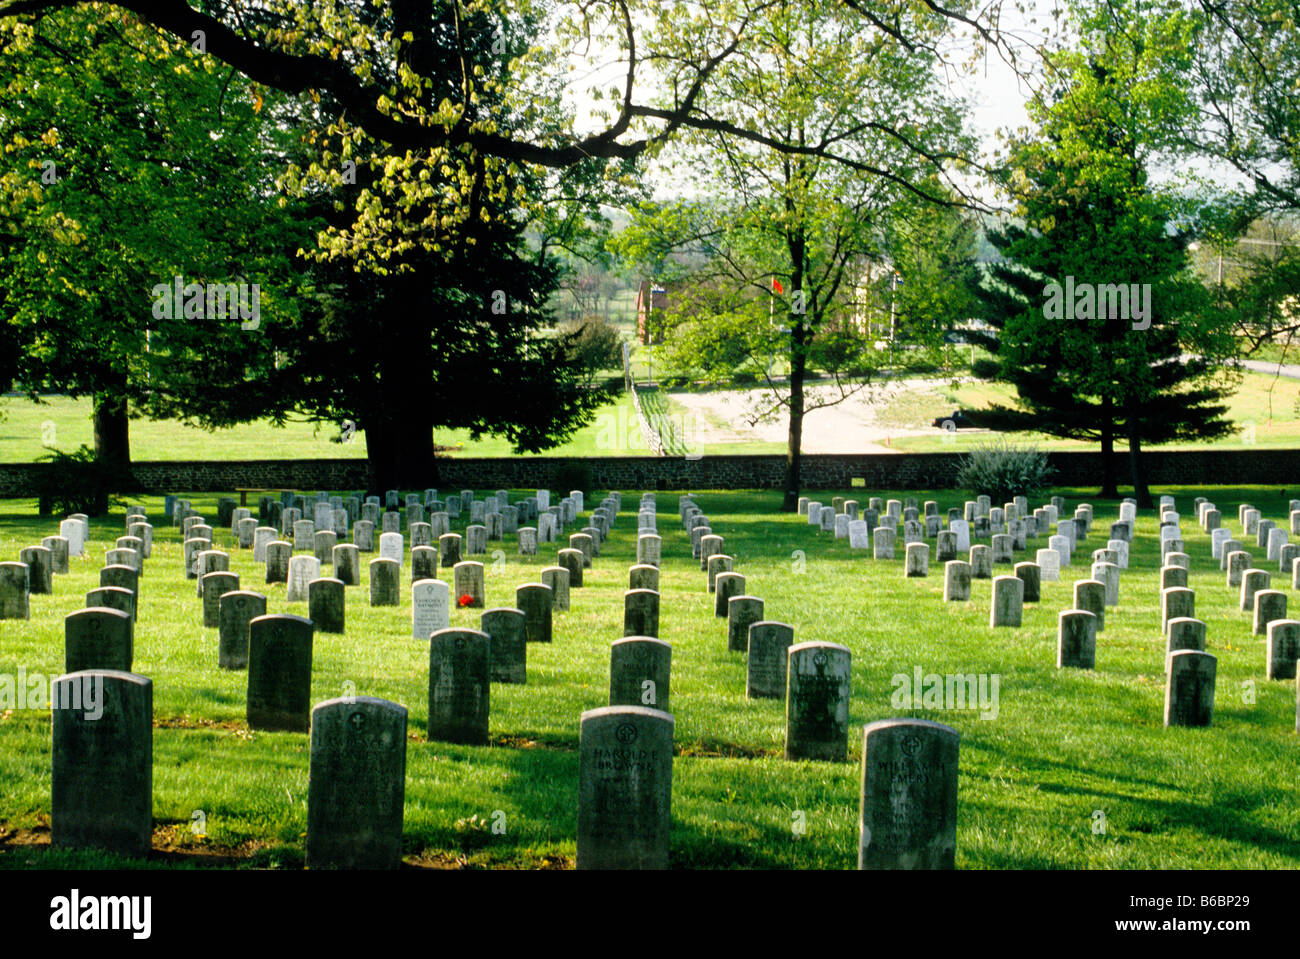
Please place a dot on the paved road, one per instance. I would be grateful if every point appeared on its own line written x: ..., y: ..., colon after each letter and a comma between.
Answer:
x: 1290, y: 371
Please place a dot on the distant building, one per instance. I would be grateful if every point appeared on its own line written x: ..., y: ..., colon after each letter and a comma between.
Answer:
x: 871, y: 313
x: 651, y: 299
x: 957, y: 332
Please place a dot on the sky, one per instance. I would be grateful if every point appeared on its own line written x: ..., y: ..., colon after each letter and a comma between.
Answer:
x: 996, y: 94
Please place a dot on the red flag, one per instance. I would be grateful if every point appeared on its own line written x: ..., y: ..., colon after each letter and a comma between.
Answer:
x: 776, y: 286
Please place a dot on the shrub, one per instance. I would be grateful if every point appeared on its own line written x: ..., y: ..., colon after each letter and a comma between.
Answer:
x: 76, y: 483
x: 1003, y: 469
x: 594, y: 344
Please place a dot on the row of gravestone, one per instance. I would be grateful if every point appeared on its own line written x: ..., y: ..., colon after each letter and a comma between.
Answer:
x: 1192, y: 700
x: 340, y: 514
x: 1190, y: 671
x: 1008, y: 528
x: 1267, y: 606
x: 462, y: 665
x: 200, y: 559
x: 908, y: 799
x: 812, y: 677
x: 430, y: 596
x: 37, y: 566
x: 102, y: 636
x: 391, y: 500
x: 102, y: 780
x: 430, y: 613
x: 271, y: 707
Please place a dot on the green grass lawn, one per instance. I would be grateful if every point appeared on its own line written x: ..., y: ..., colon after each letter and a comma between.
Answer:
x: 28, y: 429
x: 1066, y: 747
x: 1265, y: 409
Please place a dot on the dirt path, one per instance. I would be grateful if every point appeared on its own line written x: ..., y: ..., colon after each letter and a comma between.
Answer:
x: 848, y: 427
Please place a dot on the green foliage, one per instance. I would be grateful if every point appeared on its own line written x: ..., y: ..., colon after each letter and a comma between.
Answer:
x: 1221, y: 90
x: 595, y: 345
x: 1003, y: 470
x: 1090, y: 220
x: 776, y: 257
x: 932, y: 249
x: 76, y: 483
x: 126, y: 161
x: 1253, y: 275
x: 648, y: 246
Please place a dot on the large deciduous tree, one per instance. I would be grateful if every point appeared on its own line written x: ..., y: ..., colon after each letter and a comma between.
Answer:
x: 792, y: 237
x: 126, y: 162
x: 431, y: 308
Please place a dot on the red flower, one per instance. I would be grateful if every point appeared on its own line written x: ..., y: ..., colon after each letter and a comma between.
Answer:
x: 466, y: 600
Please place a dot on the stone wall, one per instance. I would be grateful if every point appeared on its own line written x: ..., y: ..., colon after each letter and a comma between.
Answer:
x: 897, y: 471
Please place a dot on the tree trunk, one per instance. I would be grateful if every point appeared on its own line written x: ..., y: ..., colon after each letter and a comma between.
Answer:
x: 794, y: 447
x: 1109, y: 484
x: 1140, y: 491
x: 399, y: 447
x: 112, y: 431
x: 398, y: 426
x: 800, y: 335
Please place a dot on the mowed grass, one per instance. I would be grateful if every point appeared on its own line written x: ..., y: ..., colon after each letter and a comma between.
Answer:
x: 1068, y: 749
x: 30, y: 430
x: 1265, y: 409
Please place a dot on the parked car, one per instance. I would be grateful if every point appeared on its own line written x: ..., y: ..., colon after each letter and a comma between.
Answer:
x: 957, y: 420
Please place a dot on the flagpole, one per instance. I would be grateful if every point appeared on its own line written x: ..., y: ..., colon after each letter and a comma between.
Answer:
x: 771, y: 318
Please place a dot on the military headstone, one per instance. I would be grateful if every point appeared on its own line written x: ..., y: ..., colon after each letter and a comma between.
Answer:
x: 1076, y: 639
x: 508, y: 648
x: 817, y: 701
x: 639, y: 671
x: 641, y: 613
x: 14, y: 591
x: 302, y: 570
x: 101, y: 790
x: 326, y: 604
x: 216, y: 585
x: 467, y: 580
x: 557, y: 577
x: 97, y: 638
x: 1184, y: 632
x: 624, y: 788
x: 279, y: 673
x: 769, y: 646
x: 1189, y: 689
x: 356, y: 786
x: 237, y: 610
x: 459, y: 686
x: 909, y: 795
x: 537, y: 604
x: 385, y: 582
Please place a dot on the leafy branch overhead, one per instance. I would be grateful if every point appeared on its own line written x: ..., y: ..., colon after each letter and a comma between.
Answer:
x: 372, y: 61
